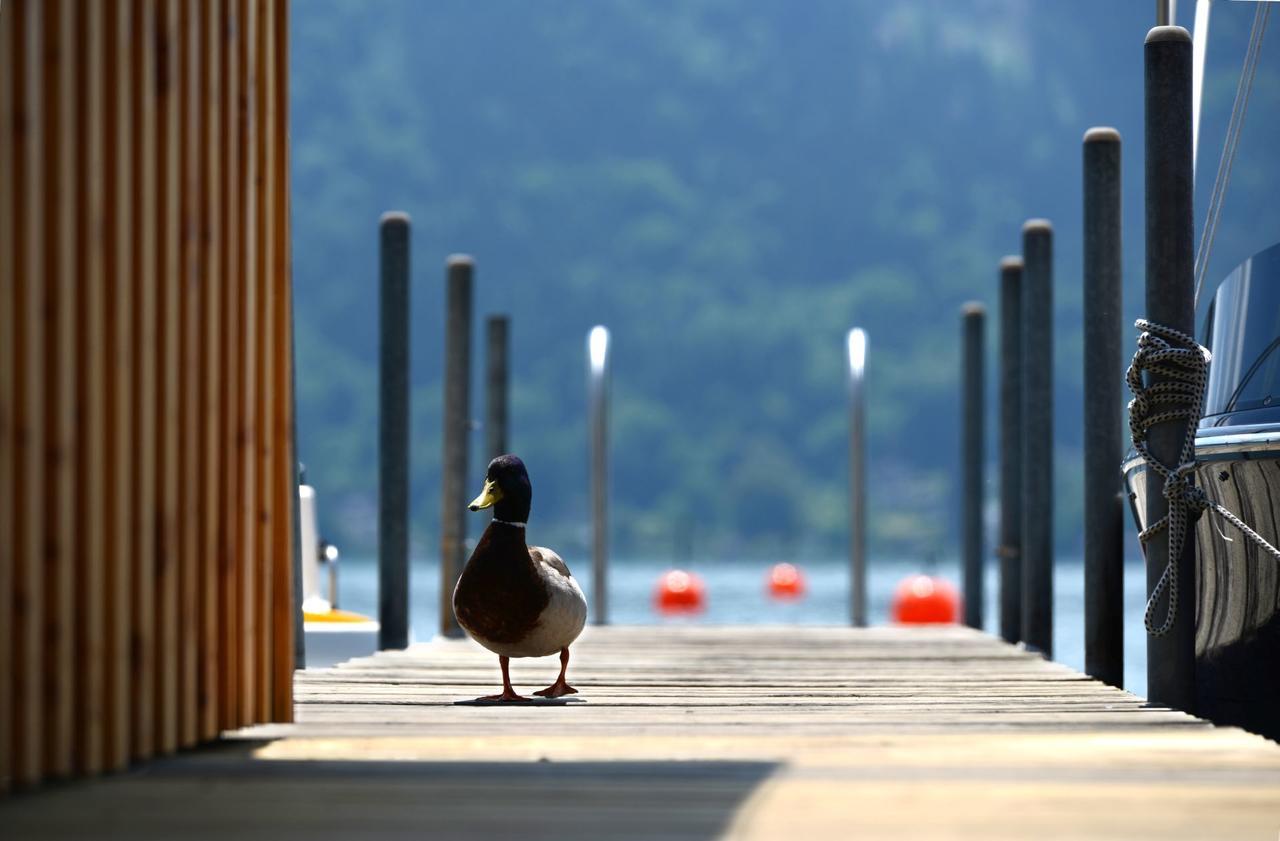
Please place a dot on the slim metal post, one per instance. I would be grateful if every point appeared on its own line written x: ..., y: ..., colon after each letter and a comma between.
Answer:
x: 393, y: 432
x: 1037, y: 436
x: 1010, y: 549
x: 1170, y: 301
x: 973, y: 318
x: 495, y: 403
x: 857, y: 350
x: 299, y: 621
x: 598, y: 420
x: 457, y: 428
x: 1103, y: 411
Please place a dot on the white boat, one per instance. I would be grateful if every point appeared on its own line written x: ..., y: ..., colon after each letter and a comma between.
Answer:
x: 332, y: 634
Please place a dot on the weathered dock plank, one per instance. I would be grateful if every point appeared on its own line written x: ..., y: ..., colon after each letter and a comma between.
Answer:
x: 687, y: 732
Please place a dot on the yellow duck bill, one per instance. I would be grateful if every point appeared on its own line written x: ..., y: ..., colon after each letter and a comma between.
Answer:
x: 488, y: 497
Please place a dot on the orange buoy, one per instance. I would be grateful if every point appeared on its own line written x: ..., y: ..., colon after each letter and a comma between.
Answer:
x: 785, y: 581
x: 680, y: 592
x: 922, y: 599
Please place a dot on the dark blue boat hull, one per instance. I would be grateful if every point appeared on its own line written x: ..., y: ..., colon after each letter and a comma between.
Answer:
x: 1237, y: 584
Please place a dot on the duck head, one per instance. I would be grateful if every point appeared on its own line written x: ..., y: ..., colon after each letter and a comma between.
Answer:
x: 506, y: 490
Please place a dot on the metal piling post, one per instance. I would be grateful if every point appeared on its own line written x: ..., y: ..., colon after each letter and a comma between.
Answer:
x: 497, y: 329
x: 457, y: 428
x: 598, y: 421
x: 1170, y: 291
x: 1010, y: 550
x: 1103, y: 447
x: 393, y: 432
x: 857, y: 351
x: 973, y: 318
x: 1037, y: 436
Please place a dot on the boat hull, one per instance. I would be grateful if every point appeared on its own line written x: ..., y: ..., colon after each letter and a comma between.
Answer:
x: 1237, y: 585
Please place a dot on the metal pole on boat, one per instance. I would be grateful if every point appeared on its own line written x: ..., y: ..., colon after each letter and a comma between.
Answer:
x: 857, y: 350
x: 973, y: 321
x: 1103, y: 412
x: 393, y: 432
x: 1037, y: 436
x: 457, y: 428
x: 1010, y: 550
x: 1166, y: 12
x: 598, y: 421
x: 497, y: 329
x: 1170, y: 299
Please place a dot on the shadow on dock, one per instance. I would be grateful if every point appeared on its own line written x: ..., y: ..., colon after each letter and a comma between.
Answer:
x: 227, y: 793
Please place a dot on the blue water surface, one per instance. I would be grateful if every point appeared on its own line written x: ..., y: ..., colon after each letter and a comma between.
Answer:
x: 736, y: 595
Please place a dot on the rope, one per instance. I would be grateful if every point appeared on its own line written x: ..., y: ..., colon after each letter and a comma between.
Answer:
x: 1231, y: 143
x: 1185, y: 365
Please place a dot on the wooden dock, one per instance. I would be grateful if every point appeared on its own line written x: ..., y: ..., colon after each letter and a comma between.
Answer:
x: 689, y: 732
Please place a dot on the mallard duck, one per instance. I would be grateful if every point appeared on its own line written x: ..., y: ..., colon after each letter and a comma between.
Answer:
x: 517, y: 600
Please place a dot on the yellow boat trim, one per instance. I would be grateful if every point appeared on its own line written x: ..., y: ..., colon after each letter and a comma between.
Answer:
x: 335, y: 616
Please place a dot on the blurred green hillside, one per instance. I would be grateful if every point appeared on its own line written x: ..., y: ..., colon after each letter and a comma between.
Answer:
x: 729, y: 186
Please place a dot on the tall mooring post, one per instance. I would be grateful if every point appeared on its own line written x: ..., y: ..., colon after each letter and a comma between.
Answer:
x: 393, y: 432
x: 457, y: 430
x: 598, y: 425
x: 1103, y: 412
x: 497, y: 329
x: 856, y: 345
x: 1037, y: 436
x: 1009, y: 551
x: 1170, y: 302
x: 973, y: 320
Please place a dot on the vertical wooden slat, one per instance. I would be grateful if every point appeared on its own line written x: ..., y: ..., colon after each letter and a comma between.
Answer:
x: 165, y: 82
x: 142, y: 644
x: 211, y: 523
x: 117, y: 75
x: 282, y: 384
x: 91, y: 495
x: 8, y: 395
x: 229, y: 396
x: 146, y: 453
x: 191, y: 297
x: 58, y: 158
x: 246, y: 449
x: 29, y: 340
x: 263, y: 280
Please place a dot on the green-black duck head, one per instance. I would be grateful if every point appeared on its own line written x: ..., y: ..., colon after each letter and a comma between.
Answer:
x: 506, y: 490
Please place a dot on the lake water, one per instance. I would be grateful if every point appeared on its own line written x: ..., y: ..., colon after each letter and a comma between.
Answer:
x: 736, y: 595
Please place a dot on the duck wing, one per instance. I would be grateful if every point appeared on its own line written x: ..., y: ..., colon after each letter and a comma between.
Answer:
x: 545, y: 558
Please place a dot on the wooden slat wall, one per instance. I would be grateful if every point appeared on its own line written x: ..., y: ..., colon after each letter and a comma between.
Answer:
x: 146, y: 460
x: 8, y: 406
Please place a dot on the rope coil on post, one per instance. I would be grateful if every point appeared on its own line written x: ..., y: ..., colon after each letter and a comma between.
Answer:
x: 1163, y: 350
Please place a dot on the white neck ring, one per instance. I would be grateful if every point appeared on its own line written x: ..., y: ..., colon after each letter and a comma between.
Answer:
x: 505, y: 523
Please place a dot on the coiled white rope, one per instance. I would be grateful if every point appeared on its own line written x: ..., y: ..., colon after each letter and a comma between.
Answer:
x: 1185, y: 365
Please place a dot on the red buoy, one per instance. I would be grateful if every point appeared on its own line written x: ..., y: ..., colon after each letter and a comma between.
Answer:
x: 785, y: 581
x: 923, y: 599
x: 680, y: 592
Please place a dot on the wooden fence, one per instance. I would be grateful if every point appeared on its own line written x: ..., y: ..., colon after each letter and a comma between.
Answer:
x: 146, y: 464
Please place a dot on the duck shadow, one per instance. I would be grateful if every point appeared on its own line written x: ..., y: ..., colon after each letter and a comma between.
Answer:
x: 525, y: 702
